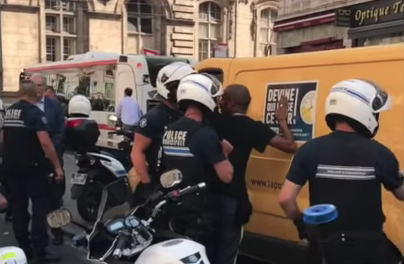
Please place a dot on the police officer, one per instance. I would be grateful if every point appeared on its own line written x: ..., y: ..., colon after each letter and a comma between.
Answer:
x: 193, y: 147
x: 28, y: 152
x: 346, y: 168
x: 148, y: 133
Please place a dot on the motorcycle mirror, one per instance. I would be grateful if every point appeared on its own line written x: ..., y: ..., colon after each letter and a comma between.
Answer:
x: 171, y: 178
x: 59, y: 218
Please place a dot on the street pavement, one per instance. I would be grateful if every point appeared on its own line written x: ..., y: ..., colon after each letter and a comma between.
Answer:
x: 69, y: 254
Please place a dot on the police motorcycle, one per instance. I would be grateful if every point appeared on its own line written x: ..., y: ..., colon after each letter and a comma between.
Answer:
x: 132, y: 238
x: 96, y: 168
x: 12, y: 255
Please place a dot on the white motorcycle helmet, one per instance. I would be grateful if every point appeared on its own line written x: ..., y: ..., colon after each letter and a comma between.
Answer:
x: 79, y: 105
x: 358, y: 102
x: 12, y: 255
x: 170, y: 75
x: 200, y: 88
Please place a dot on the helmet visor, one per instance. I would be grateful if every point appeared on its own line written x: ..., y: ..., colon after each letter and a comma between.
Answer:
x: 381, y: 102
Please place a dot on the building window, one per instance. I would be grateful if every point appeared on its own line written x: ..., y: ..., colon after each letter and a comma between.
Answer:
x: 51, y: 4
x: 61, y: 29
x: 52, y: 23
x: 69, y: 45
x: 69, y: 25
x: 140, y: 16
x: 267, y: 20
x: 210, y: 29
x: 52, y: 48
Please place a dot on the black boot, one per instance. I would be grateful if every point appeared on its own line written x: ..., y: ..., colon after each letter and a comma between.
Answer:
x: 58, y: 236
x: 44, y: 256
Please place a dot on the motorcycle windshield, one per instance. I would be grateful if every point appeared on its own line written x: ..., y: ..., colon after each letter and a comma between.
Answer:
x: 113, y: 203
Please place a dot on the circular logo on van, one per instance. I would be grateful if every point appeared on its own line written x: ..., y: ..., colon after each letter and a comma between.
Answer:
x: 173, y: 243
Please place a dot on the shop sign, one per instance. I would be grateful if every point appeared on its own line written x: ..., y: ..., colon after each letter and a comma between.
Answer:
x: 370, y: 13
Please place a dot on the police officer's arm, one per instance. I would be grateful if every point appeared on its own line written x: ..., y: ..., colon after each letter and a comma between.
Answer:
x: 295, y: 179
x: 285, y: 142
x: 389, y: 172
x: 140, y: 144
x: 48, y: 148
x: 37, y: 121
x: 206, y: 143
x: 147, y: 130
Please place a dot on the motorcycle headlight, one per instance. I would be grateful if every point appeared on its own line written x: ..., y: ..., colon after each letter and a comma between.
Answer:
x: 194, y: 258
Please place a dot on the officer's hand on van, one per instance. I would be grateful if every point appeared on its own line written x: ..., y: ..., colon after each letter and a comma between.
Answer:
x: 281, y: 113
x: 226, y: 147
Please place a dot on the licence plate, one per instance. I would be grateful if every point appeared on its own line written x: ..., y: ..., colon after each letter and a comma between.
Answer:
x: 79, y: 178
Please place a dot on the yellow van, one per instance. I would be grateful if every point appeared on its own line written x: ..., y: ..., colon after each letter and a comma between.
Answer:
x: 306, y: 79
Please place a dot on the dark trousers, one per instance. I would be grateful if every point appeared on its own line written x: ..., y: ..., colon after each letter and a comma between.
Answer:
x: 229, y: 233
x: 196, y: 219
x: 355, y: 248
x: 29, y: 184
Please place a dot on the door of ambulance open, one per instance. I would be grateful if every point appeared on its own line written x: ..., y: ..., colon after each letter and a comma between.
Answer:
x: 97, y: 79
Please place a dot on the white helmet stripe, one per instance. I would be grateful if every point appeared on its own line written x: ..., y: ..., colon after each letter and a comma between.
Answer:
x: 197, y: 84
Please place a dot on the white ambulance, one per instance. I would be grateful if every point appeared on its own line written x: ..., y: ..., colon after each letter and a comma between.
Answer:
x: 103, y: 77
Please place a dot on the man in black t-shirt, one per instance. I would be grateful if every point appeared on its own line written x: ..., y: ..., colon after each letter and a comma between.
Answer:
x: 146, y: 149
x: 346, y: 168
x: 244, y: 134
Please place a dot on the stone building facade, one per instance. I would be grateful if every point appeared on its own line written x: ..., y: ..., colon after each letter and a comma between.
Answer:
x: 310, y: 25
x: 36, y: 31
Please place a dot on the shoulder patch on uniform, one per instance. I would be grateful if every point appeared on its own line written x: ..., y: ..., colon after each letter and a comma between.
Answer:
x: 44, y: 120
x: 143, y: 122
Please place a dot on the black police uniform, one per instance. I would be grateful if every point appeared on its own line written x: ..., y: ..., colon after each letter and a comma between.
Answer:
x: 27, y: 170
x: 193, y: 148
x: 347, y: 170
x: 152, y: 126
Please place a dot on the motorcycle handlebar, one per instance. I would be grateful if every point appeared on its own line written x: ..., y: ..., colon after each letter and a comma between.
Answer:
x: 120, y: 245
x: 173, y: 195
x: 144, y: 233
x: 192, y: 189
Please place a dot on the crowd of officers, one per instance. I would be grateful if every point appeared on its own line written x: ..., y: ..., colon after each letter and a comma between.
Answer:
x: 202, y: 130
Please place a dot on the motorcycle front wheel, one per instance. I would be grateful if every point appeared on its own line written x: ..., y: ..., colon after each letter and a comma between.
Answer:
x: 89, y: 200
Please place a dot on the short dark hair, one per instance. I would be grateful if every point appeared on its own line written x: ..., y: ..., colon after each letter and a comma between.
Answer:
x: 50, y: 88
x: 239, y: 95
x: 27, y: 88
x: 128, y: 91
